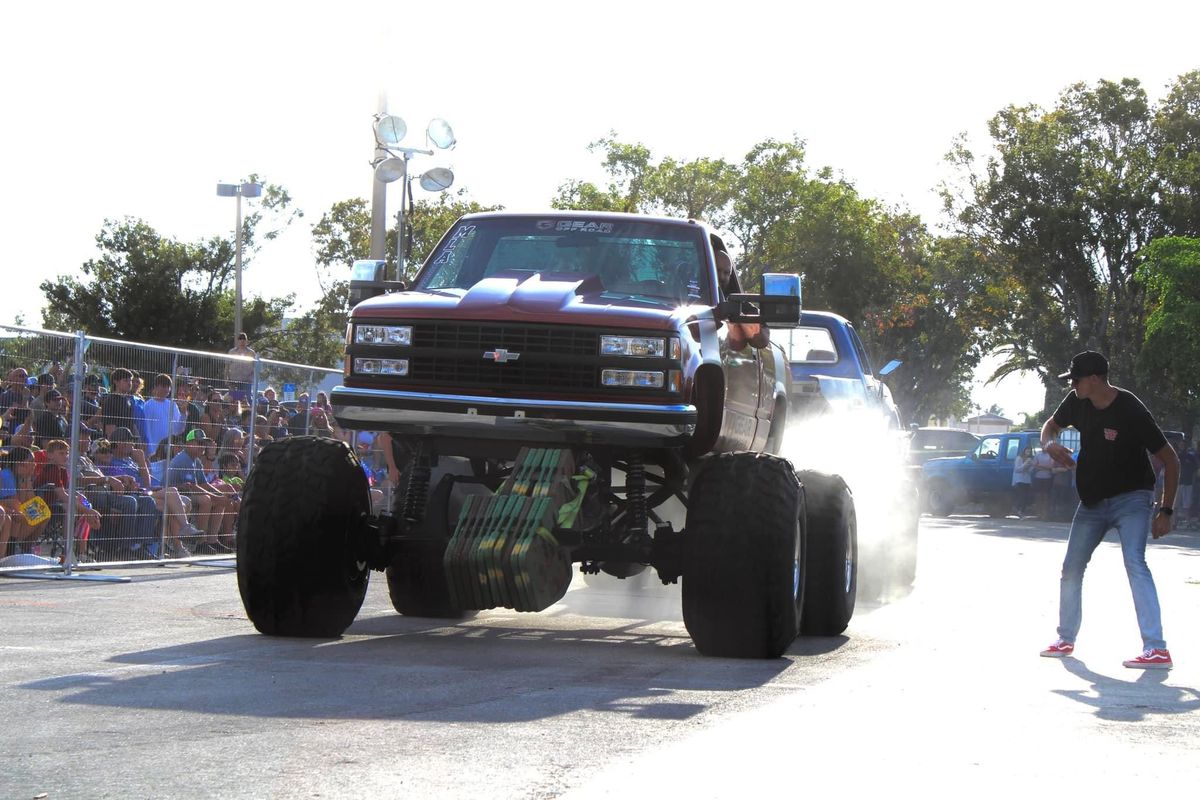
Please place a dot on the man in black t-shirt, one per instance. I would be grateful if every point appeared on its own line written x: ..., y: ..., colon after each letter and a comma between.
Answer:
x: 1115, y: 482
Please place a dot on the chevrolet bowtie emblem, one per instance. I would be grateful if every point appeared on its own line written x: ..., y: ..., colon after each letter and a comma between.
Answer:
x: 501, y: 356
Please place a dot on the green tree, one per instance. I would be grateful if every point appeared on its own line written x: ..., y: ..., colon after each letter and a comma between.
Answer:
x: 138, y: 273
x: 1177, y: 141
x: 1069, y: 199
x: 1170, y: 362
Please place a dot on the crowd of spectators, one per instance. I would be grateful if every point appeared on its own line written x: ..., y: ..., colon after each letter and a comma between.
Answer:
x: 157, y: 475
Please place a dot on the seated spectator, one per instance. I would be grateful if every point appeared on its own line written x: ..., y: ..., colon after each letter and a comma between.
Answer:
x: 38, y: 389
x: 300, y: 421
x: 51, y: 421
x: 116, y: 407
x: 208, y: 461
x: 57, y: 372
x: 262, y: 432
x: 163, y: 415
x: 123, y: 460
x: 124, y: 513
x: 213, y: 419
x: 321, y: 424
x: 16, y: 390
x: 89, y: 401
x: 232, y: 471
x: 17, y: 475
x: 233, y: 440
x: 215, y: 512
x: 189, y: 410
x: 53, y: 478
x: 139, y: 407
x: 277, y: 424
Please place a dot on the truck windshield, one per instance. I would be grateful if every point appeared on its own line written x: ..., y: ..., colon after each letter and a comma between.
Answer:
x: 654, y: 261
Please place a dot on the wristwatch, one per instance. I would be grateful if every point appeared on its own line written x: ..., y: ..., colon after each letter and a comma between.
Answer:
x: 1166, y: 510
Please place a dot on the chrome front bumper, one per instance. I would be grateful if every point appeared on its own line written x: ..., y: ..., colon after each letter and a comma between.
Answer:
x: 555, y: 421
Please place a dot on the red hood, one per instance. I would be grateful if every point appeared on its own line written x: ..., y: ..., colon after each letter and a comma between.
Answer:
x: 545, y: 298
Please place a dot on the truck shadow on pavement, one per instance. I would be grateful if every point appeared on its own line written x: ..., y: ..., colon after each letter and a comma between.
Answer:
x: 479, y: 673
x: 1130, y: 701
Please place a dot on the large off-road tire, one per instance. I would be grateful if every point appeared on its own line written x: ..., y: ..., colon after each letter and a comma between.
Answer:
x: 744, y: 557
x: 417, y: 583
x: 831, y: 583
x: 416, y: 577
x: 940, y: 499
x: 298, y: 569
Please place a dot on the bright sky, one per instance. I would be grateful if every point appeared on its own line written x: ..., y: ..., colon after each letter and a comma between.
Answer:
x: 139, y: 109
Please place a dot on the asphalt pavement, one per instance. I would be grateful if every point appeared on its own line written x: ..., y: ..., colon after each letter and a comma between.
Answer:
x: 160, y: 687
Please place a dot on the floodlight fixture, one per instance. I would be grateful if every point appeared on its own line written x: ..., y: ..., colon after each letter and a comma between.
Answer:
x: 389, y: 129
x: 441, y: 134
x: 437, y: 179
x: 390, y: 170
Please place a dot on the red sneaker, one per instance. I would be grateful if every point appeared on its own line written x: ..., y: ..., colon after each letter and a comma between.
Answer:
x: 1060, y: 649
x: 1151, y: 659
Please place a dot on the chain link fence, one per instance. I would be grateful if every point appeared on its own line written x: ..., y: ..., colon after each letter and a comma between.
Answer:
x: 116, y: 452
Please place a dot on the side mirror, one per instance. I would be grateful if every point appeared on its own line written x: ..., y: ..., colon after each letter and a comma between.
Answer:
x: 368, y: 278
x: 778, y: 305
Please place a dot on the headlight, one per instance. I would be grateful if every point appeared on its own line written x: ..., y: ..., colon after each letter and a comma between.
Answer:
x: 381, y: 366
x: 383, y: 334
x: 640, y: 346
x: 629, y: 377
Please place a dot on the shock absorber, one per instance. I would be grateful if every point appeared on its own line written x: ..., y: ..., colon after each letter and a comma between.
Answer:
x: 635, y: 493
x: 416, y: 490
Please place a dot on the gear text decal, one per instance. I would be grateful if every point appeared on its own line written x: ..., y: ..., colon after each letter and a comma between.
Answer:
x: 579, y: 225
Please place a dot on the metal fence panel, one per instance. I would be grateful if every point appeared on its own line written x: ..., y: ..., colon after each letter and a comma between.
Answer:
x: 106, y: 433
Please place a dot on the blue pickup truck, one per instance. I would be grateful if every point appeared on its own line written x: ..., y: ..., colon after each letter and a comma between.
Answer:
x: 831, y: 370
x: 842, y: 419
x: 983, y: 476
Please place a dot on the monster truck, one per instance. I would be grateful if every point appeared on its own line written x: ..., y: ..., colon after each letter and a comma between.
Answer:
x: 549, y: 382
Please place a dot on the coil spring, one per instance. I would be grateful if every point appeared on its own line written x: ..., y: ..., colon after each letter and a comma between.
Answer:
x: 635, y: 493
x: 416, y: 490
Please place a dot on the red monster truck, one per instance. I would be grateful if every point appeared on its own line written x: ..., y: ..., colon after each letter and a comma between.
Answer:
x: 549, y: 382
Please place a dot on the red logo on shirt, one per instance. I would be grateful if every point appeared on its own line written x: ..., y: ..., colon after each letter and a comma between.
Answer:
x: 1110, y: 434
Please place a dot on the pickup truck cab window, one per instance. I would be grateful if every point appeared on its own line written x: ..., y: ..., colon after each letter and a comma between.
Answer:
x: 810, y: 345
x: 989, y: 448
x: 646, y: 260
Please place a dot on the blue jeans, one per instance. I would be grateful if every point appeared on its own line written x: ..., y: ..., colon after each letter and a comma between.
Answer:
x: 1129, y: 513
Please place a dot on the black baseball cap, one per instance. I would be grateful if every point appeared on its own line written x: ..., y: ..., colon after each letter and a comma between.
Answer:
x: 1089, y: 362
x: 197, y: 436
x: 121, y: 435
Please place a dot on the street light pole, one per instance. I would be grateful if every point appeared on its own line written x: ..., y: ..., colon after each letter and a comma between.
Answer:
x: 237, y: 281
x: 379, y: 193
x: 238, y: 190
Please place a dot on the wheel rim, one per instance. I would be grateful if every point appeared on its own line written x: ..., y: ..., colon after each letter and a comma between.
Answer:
x: 796, y: 564
x: 849, y: 563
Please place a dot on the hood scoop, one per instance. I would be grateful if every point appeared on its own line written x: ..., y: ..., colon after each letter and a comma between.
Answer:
x: 529, y: 292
